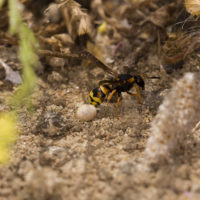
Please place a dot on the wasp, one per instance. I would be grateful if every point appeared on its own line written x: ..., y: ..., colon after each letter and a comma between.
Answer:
x: 114, y: 86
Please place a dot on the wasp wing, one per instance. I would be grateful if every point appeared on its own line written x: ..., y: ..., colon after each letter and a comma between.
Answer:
x: 111, y: 82
x: 87, y: 55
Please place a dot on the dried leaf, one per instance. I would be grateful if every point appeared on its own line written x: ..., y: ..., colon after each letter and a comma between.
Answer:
x: 52, y: 13
x: 140, y: 3
x: 77, y: 21
x: 64, y: 38
x: 97, y: 5
x: 11, y: 75
x: 162, y: 16
x: 116, y: 23
x: 193, y: 6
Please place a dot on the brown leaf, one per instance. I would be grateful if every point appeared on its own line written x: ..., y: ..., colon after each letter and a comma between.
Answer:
x: 116, y: 23
x: 193, y: 6
x: 137, y: 4
x: 11, y: 75
x: 77, y: 21
x: 162, y: 16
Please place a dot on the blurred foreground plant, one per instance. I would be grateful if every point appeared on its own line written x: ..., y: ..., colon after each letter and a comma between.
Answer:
x: 28, y: 59
x: 8, y: 135
x: 1, y: 3
x: 176, y: 117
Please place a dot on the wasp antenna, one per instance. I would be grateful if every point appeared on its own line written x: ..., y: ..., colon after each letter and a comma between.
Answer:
x: 144, y: 104
x: 154, y: 77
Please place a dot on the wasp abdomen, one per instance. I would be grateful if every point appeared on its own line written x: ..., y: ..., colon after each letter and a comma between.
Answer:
x: 97, y: 95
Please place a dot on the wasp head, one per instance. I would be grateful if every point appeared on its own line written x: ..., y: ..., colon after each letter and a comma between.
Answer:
x: 140, y: 81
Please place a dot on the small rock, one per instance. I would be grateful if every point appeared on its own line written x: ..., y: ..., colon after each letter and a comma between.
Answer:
x: 55, y: 62
x: 86, y: 112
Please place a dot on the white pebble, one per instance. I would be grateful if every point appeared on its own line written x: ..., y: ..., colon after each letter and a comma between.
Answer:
x: 86, y: 112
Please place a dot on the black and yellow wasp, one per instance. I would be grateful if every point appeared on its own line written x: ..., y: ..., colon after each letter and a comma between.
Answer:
x: 113, y: 86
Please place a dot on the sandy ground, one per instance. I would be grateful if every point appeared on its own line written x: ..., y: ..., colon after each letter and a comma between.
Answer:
x: 59, y: 157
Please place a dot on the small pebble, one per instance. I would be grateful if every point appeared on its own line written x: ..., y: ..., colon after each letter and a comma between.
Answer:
x: 86, y: 112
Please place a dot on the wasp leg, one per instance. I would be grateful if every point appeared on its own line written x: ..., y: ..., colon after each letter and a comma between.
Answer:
x: 138, y: 95
x: 118, y: 101
x: 109, y: 98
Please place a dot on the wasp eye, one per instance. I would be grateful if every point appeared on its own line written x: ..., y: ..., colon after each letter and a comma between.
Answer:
x: 140, y: 82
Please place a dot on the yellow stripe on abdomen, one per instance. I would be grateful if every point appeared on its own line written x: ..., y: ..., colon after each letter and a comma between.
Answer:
x: 104, y: 89
x: 94, y: 100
